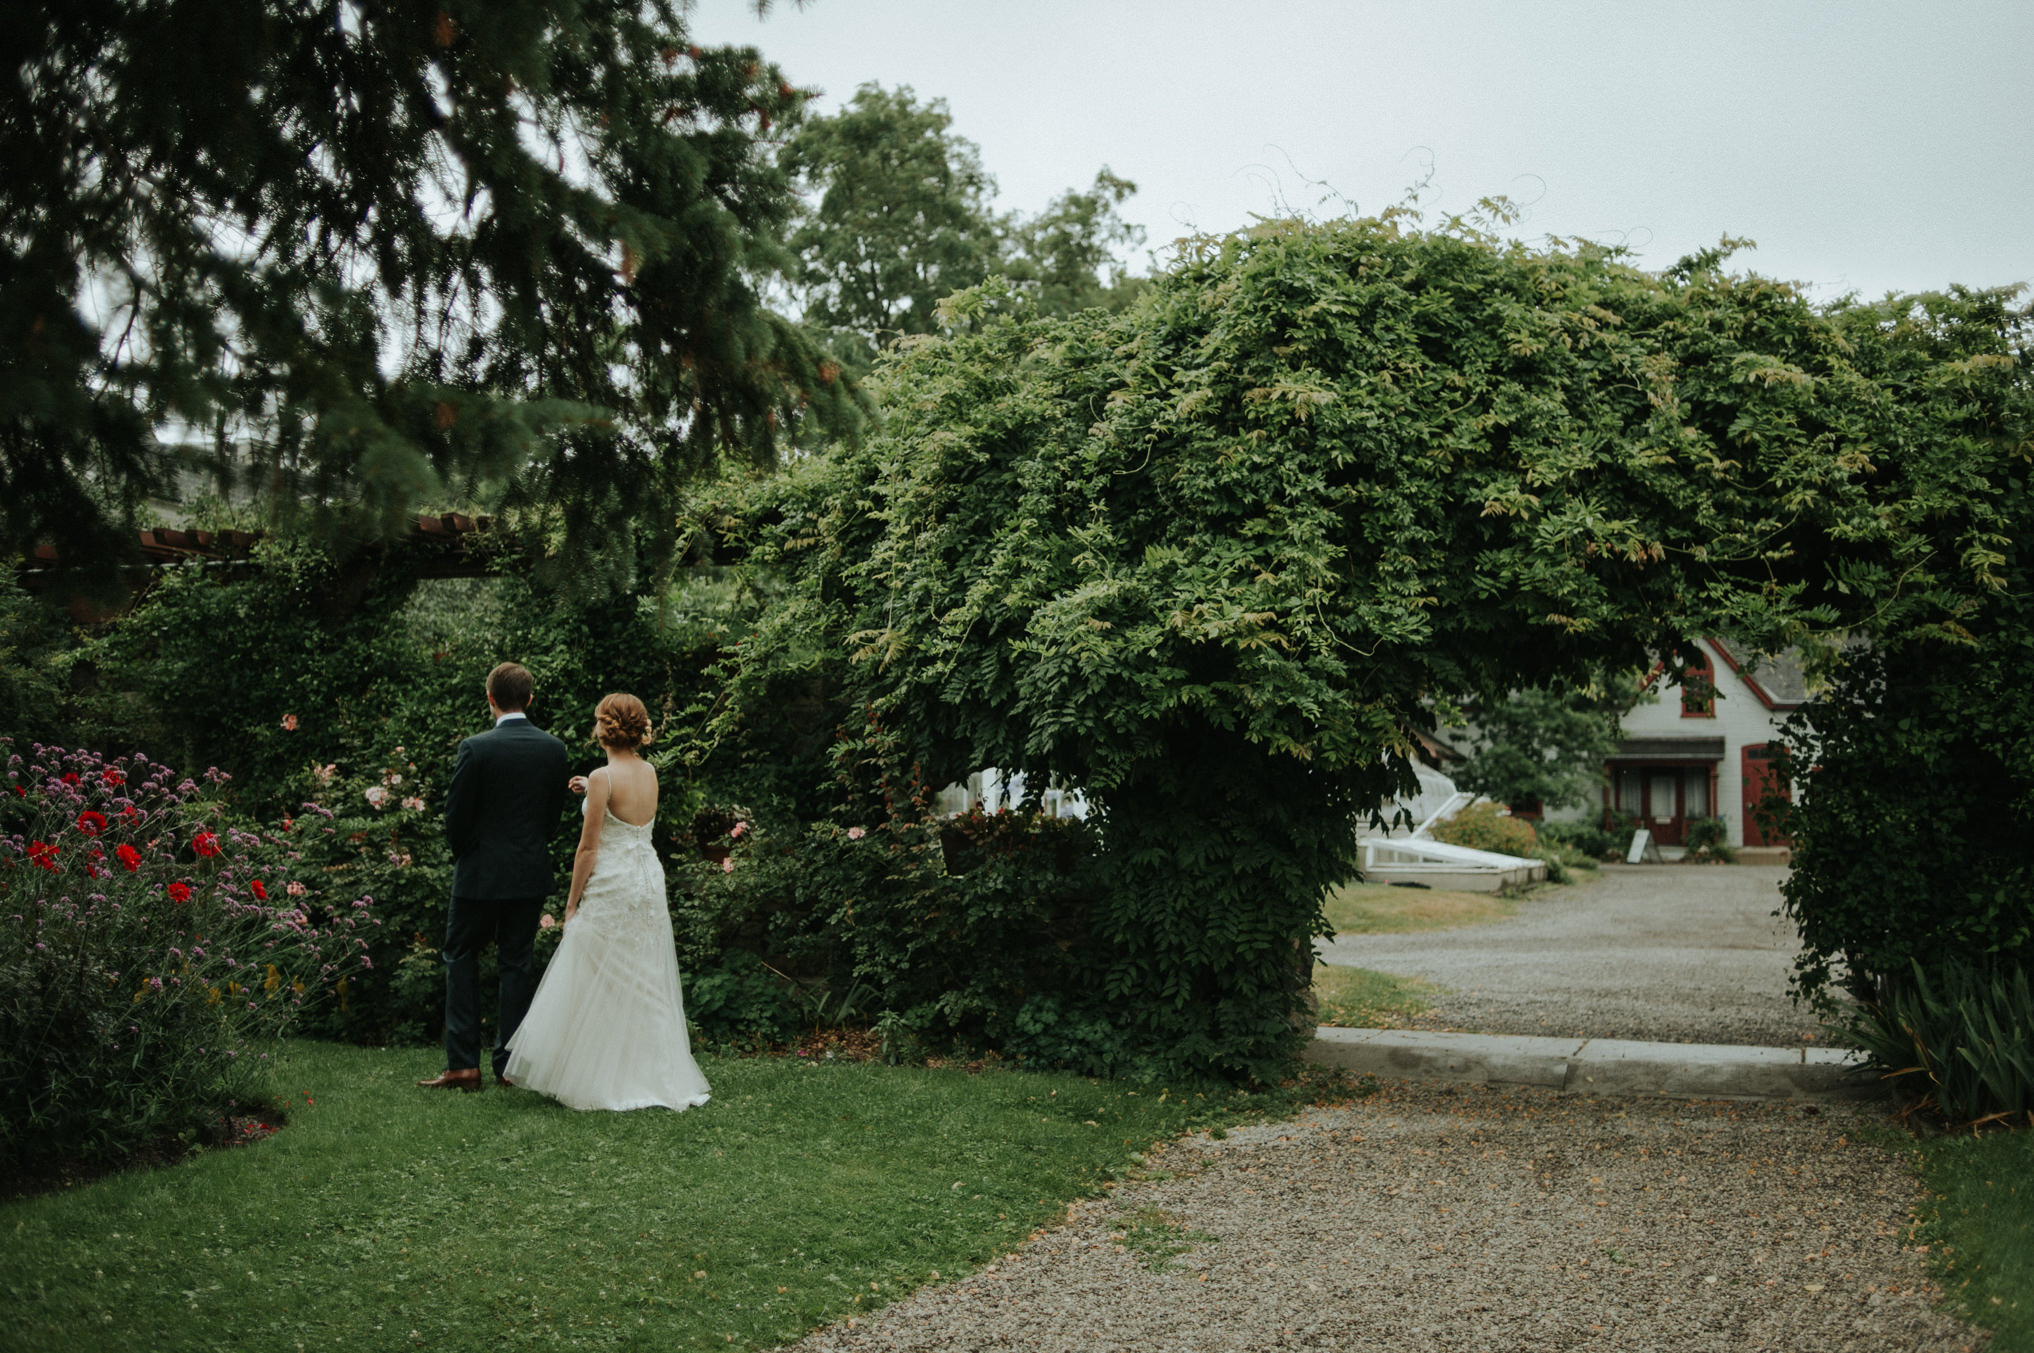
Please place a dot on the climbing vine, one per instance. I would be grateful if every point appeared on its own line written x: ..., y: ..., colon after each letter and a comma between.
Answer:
x: 1214, y: 559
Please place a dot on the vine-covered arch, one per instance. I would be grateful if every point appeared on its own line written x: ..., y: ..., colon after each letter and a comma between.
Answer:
x: 1214, y: 558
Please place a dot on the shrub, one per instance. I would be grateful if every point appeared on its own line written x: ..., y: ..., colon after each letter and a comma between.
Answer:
x: 958, y: 925
x: 1707, y: 838
x: 378, y: 831
x: 746, y: 940
x: 967, y: 931
x: 1968, y: 1032
x: 737, y: 1002
x: 150, y: 953
x: 1487, y: 826
x: 1563, y: 861
x: 344, y: 708
x: 31, y: 634
x: 1913, y: 766
x: 1919, y: 757
x: 1585, y: 838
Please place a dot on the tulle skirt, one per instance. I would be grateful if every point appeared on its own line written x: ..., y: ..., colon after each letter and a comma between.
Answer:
x: 606, y: 1029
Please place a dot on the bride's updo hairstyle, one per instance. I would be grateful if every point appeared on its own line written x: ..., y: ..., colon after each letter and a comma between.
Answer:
x: 620, y: 722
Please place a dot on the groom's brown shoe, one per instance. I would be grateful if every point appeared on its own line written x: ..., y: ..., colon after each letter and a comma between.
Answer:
x: 503, y: 1081
x: 467, y: 1079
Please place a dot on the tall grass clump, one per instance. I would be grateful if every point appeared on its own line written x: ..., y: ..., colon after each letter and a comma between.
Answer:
x: 150, y: 955
x: 1967, y: 1032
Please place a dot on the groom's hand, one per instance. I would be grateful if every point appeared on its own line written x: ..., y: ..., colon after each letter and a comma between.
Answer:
x: 577, y: 784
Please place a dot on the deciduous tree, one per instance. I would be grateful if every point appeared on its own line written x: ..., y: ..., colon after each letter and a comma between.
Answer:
x: 900, y: 214
x: 1545, y: 746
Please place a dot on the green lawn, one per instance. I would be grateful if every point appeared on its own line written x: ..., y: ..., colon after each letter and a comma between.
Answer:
x: 1379, y: 909
x: 385, y: 1217
x: 1360, y: 998
x: 1980, y: 1230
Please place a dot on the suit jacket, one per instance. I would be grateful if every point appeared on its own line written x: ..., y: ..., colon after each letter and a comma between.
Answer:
x: 508, y: 792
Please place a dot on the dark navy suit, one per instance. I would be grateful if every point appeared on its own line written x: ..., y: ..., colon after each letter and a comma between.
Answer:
x: 508, y: 792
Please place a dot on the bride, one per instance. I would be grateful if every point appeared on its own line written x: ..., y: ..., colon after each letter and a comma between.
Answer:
x: 606, y: 1029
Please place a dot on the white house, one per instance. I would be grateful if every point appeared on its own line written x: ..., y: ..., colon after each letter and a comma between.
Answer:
x: 1704, y: 750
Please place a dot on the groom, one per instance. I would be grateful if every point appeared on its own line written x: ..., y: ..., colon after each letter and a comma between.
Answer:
x: 508, y: 791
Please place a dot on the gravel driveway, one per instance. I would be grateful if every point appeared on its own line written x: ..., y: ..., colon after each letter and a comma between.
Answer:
x: 1666, y: 953
x: 1466, y: 1219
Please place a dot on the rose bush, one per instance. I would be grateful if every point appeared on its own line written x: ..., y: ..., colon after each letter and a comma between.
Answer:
x: 151, y: 952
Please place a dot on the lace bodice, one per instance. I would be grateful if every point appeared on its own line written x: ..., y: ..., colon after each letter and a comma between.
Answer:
x: 626, y: 889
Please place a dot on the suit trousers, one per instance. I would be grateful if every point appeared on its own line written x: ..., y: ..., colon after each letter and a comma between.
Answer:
x: 470, y: 925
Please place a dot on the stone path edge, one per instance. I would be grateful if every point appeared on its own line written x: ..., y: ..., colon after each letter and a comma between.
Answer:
x: 1600, y: 1066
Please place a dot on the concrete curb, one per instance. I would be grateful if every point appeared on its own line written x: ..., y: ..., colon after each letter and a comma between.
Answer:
x: 1600, y: 1066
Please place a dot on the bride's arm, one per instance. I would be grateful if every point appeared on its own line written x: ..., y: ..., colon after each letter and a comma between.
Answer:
x: 589, y: 839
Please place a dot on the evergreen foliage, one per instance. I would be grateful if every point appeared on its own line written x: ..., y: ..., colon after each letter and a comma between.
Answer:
x: 32, y: 634
x: 381, y: 254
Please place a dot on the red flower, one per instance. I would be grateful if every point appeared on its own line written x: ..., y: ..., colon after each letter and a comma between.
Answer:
x: 113, y: 779
x: 44, y: 854
x: 129, y: 813
x: 260, y: 893
x: 205, y: 843
x: 91, y: 823
x: 128, y: 856
x: 70, y: 777
x: 180, y: 893
x: 20, y: 793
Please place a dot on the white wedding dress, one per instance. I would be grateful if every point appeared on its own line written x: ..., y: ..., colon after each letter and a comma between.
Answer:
x: 606, y: 1029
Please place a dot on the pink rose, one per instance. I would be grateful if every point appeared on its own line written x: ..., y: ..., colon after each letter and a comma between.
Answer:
x: 727, y: 865
x: 289, y: 723
x: 377, y: 796
x: 736, y: 834
x: 856, y: 833
x: 546, y: 921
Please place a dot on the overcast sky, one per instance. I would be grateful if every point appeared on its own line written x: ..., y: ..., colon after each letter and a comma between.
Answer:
x: 1865, y: 146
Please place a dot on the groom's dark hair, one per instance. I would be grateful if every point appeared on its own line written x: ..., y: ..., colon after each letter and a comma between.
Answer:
x: 510, y: 686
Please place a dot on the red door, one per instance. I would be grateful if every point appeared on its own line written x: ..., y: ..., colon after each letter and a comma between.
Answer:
x: 1761, y: 779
